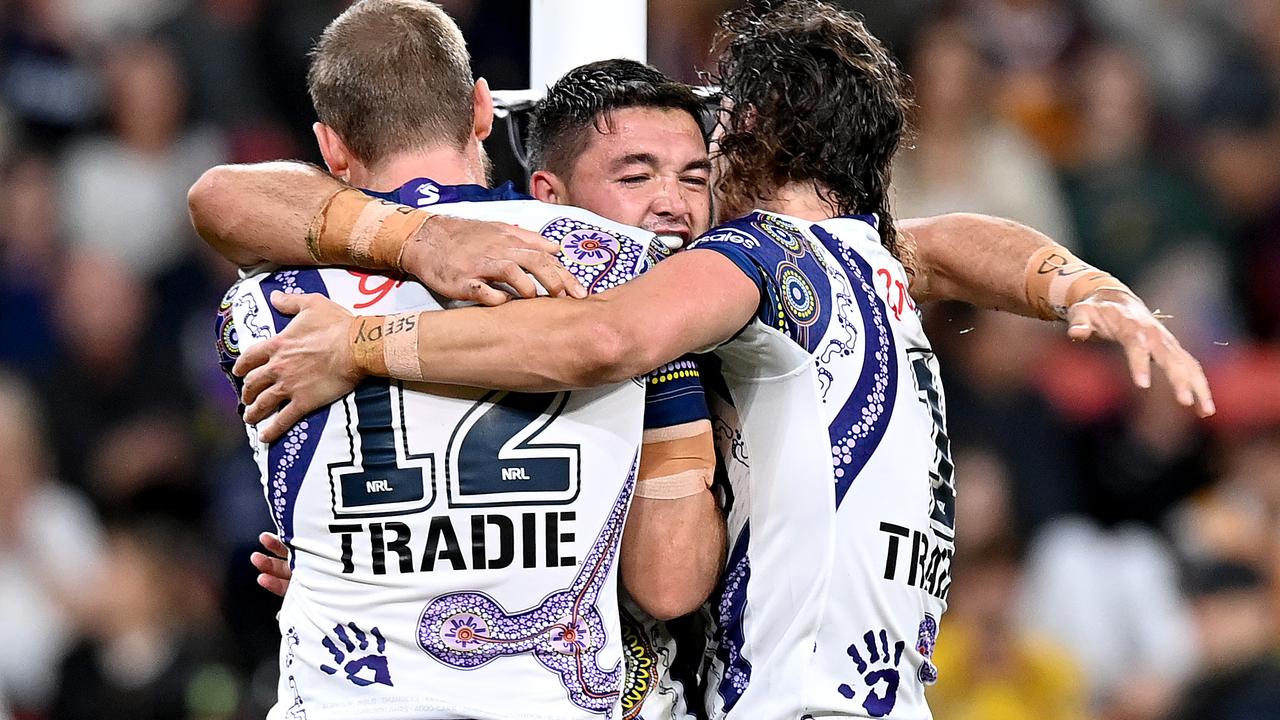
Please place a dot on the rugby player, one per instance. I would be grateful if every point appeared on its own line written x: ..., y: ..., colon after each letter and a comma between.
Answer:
x: 621, y: 139
x: 787, y: 296
x: 445, y: 537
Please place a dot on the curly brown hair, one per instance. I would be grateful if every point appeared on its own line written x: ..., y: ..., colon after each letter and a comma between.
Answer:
x: 815, y: 98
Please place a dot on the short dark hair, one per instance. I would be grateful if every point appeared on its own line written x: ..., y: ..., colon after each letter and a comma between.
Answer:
x: 816, y: 99
x: 393, y: 75
x: 583, y: 99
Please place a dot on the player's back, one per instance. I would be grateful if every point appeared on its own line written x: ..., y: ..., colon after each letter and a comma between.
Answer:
x: 841, y: 519
x: 449, y: 558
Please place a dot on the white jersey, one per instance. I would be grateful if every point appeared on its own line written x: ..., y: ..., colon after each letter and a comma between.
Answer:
x: 842, y: 493
x: 453, y: 549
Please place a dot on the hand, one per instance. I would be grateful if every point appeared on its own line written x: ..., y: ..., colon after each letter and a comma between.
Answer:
x: 1123, y: 318
x: 463, y: 259
x: 274, y: 569
x: 302, y: 369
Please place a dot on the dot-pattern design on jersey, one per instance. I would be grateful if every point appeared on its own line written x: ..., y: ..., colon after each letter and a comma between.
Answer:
x: 565, y: 633
x: 861, y: 422
x: 598, y: 259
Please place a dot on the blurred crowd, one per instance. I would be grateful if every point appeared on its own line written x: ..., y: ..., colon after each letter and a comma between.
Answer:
x: 1118, y: 559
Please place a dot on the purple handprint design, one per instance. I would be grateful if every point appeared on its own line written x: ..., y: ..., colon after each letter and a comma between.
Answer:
x: 368, y: 669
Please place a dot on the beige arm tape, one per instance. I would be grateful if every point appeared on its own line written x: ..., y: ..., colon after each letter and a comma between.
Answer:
x: 677, y: 462
x: 355, y: 229
x: 1056, y: 279
x: 387, y: 345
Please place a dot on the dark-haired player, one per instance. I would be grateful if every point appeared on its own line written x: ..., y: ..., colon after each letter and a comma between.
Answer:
x: 843, y: 537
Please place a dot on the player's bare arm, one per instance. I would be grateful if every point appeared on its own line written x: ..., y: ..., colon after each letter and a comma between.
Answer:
x: 296, y: 214
x: 674, y: 545
x: 1003, y: 265
x: 535, y: 345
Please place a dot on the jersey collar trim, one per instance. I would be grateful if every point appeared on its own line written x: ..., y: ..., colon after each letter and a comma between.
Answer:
x: 424, y: 192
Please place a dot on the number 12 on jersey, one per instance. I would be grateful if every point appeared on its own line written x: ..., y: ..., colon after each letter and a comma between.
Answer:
x: 492, y: 457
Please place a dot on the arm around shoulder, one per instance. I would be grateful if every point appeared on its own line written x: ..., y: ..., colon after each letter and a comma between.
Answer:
x: 255, y: 213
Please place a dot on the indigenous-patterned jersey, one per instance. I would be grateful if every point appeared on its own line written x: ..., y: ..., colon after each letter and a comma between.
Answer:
x: 453, y: 548
x: 664, y: 664
x: 842, y: 493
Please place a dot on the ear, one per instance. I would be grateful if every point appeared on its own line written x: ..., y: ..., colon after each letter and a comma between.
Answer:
x: 482, y: 102
x: 548, y: 188
x: 334, y: 151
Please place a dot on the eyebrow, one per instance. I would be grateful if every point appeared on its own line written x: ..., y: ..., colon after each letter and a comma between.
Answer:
x: 702, y: 164
x: 643, y: 158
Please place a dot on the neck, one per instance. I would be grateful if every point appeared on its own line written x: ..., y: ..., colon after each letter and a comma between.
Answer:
x: 799, y: 200
x: 445, y: 165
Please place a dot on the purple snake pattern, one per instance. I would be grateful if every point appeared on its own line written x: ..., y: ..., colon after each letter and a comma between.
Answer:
x: 565, y: 632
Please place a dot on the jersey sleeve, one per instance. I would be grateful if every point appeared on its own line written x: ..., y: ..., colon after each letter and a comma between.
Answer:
x: 674, y: 395
x: 227, y: 339
x: 788, y: 271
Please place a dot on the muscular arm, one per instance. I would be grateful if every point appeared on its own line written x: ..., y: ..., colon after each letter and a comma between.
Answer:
x: 688, y: 303
x: 673, y: 549
x: 253, y: 214
x: 256, y: 213
x: 984, y: 261
x: 977, y: 259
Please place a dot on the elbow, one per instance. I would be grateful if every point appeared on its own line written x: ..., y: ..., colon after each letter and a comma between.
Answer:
x: 667, y: 599
x: 203, y: 196
x: 205, y: 202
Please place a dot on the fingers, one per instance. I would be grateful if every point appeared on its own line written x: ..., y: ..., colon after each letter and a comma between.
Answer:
x: 287, y: 417
x: 263, y: 404
x: 1204, y: 397
x: 273, y: 544
x: 274, y: 585
x: 258, y: 380
x: 287, y: 303
x: 253, y: 358
x: 478, y: 291
x: 510, y: 272
x: 544, y: 269
x: 1190, y: 385
x: 274, y: 573
x: 1081, y: 322
x: 1139, y: 357
x: 530, y: 240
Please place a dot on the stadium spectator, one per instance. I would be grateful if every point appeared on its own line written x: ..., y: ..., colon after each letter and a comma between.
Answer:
x: 150, y: 152
x: 49, y: 547
x: 965, y: 159
x: 1139, y: 211
x: 30, y: 256
x: 148, y: 653
x: 1236, y: 623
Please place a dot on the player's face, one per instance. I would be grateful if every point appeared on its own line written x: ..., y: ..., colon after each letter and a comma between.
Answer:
x: 649, y: 169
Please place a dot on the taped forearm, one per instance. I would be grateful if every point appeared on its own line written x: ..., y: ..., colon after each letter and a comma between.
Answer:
x: 535, y: 345
x: 296, y: 214
x: 677, y: 462
x: 1056, y: 279
x: 999, y: 264
x: 352, y: 228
